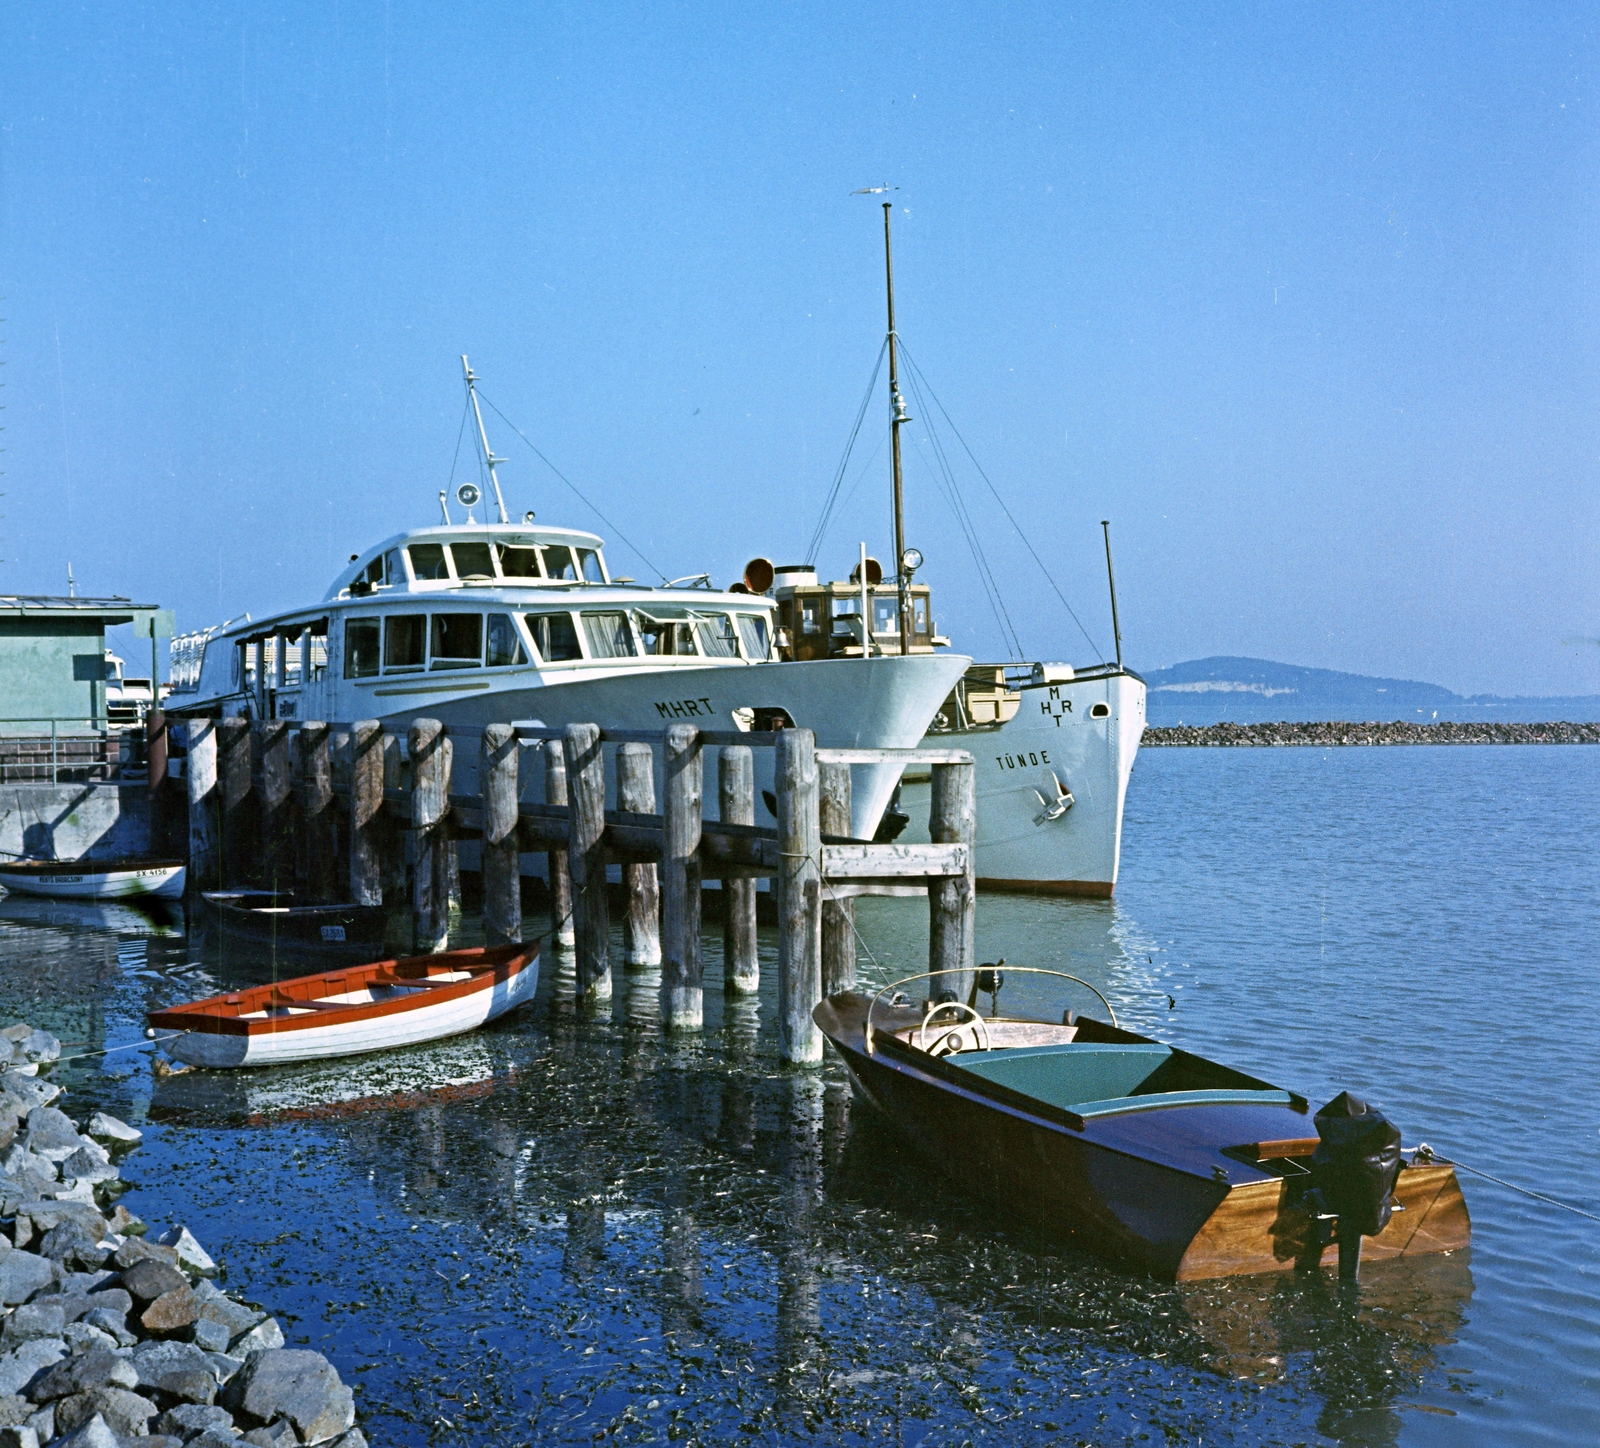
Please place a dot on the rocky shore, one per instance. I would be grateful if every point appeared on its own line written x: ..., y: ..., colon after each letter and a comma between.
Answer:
x: 109, y: 1337
x: 1400, y: 732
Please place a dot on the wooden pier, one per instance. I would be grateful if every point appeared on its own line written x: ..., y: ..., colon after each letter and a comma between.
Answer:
x: 344, y: 811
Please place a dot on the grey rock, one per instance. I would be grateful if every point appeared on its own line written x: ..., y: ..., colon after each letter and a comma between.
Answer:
x: 225, y: 1366
x: 217, y: 1306
x: 113, y: 1297
x: 32, y: 1320
x: 14, y: 1409
x: 38, y: 1217
x: 9, y: 1112
x: 44, y: 1422
x: 160, y: 1440
x: 39, y: 1047
x: 108, y: 1128
x: 216, y: 1438
x: 19, y: 1367
x: 79, y: 1284
x: 275, y: 1435
x: 81, y: 1337
x: 19, y: 1436
x: 108, y: 1320
x: 264, y: 1336
x: 22, y: 1275
x: 210, y: 1335
x: 72, y: 1191
x: 178, y: 1368
x: 100, y: 1368
x: 125, y: 1224
x: 298, y: 1385
x: 95, y: 1433
x: 16, y: 1031
x: 68, y: 1243
x: 85, y: 1166
x: 355, y: 1438
x: 151, y: 1279
x: 16, y: 1161
x: 29, y: 1092
x: 188, y: 1419
x: 169, y: 1313
x: 135, y: 1250
x: 126, y: 1414
x: 50, y: 1133
x: 191, y: 1255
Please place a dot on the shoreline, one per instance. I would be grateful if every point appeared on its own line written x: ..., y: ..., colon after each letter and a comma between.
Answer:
x: 1337, y: 732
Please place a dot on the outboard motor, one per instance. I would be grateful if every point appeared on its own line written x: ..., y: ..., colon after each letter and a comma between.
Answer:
x: 1354, y: 1170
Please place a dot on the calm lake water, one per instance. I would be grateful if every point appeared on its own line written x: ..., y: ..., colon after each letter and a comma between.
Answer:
x: 566, y: 1229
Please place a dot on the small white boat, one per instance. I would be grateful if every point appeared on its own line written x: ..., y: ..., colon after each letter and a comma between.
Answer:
x: 95, y: 879
x: 373, y: 1007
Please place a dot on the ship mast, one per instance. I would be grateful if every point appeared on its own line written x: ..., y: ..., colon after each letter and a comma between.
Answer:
x: 483, y: 437
x: 897, y: 418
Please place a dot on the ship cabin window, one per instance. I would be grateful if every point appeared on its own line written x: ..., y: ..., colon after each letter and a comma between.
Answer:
x: 360, y: 648
x: 428, y: 561
x: 811, y: 615
x: 520, y: 562
x: 376, y: 572
x: 472, y: 560
x: 753, y: 634
x: 717, y: 637
x: 609, y: 635
x: 455, y: 641
x: 667, y: 634
x: 919, y: 614
x: 886, y: 615
x: 555, y: 636
x: 558, y: 563
x: 404, y: 635
x: 504, y: 646
x: 589, y: 565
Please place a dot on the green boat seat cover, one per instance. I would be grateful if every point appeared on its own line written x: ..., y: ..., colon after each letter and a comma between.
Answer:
x: 1066, y: 1075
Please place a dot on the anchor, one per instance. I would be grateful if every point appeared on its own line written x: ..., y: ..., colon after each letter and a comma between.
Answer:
x: 1053, y: 809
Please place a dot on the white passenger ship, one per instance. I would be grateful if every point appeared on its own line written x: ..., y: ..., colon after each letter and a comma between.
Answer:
x: 475, y: 624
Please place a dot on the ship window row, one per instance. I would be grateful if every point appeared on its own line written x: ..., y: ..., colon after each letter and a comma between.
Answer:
x: 402, y: 643
x: 469, y: 562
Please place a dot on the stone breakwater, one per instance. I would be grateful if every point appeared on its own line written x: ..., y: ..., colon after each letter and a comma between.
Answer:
x: 110, y: 1338
x: 1399, y: 732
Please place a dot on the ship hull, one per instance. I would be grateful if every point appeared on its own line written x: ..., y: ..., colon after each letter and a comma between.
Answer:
x: 1054, y: 736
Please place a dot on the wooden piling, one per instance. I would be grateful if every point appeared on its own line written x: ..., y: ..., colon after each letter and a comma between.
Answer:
x: 502, y: 875
x: 366, y: 813
x: 429, y: 750
x: 271, y: 747
x: 736, y: 796
x: 237, y: 825
x: 316, y: 828
x: 558, y: 871
x: 636, y: 794
x: 680, y: 868
x: 799, y: 895
x: 586, y: 857
x: 838, y: 916
x: 200, y: 775
x: 952, y: 902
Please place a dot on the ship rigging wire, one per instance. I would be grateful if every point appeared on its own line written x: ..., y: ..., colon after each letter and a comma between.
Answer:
x: 634, y: 547
x: 844, y: 462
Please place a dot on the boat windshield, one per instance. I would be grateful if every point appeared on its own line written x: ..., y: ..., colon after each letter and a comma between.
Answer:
x: 520, y: 562
x: 428, y: 561
x: 472, y: 560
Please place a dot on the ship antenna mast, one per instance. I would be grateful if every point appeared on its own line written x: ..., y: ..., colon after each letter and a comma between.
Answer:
x: 490, y: 460
x: 898, y: 417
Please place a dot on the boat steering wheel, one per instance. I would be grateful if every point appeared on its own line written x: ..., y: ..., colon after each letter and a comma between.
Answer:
x: 950, y: 1037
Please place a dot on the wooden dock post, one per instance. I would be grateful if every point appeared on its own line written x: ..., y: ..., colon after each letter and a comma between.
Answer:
x: 502, y: 877
x: 680, y: 868
x: 366, y: 812
x: 636, y: 794
x: 736, y: 795
x: 952, y: 902
x: 429, y: 750
x: 237, y: 826
x: 799, y: 894
x: 586, y: 857
x: 838, y: 916
x: 558, y: 871
x: 316, y: 832
x: 276, y: 795
x: 200, y: 774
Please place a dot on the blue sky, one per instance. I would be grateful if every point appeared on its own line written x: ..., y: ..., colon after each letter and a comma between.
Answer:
x: 1303, y: 301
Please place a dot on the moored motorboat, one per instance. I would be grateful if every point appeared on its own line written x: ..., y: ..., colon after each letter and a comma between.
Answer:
x: 112, y: 879
x: 372, y: 1007
x: 277, y: 923
x: 1139, y: 1150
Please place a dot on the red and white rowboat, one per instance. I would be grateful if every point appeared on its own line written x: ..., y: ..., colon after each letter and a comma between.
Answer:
x: 348, y: 1012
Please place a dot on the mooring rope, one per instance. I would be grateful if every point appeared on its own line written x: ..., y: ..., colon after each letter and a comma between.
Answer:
x: 1427, y: 1154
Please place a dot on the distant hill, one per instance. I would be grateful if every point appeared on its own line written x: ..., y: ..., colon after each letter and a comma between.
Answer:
x: 1256, y: 691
